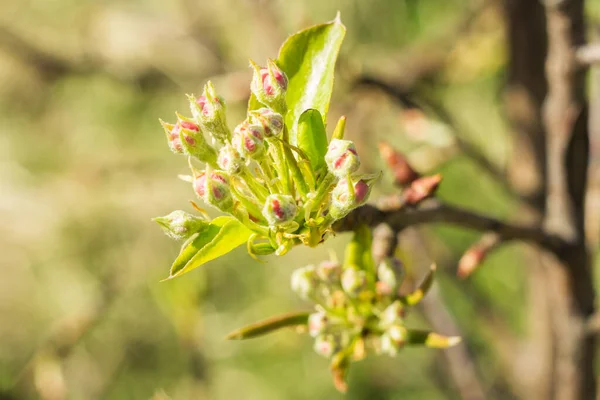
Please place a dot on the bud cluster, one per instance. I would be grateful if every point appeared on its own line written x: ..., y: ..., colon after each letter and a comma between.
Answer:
x: 358, y: 307
x: 255, y: 174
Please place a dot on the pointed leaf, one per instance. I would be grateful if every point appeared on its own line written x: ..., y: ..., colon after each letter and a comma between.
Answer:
x: 270, y: 325
x: 308, y: 59
x: 222, y: 235
x: 312, y: 138
x: 431, y: 339
x: 416, y: 296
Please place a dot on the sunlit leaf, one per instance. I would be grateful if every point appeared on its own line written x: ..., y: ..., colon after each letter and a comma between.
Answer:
x: 270, y: 325
x: 222, y: 235
x: 308, y: 59
x: 312, y: 138
x: 431, y: 339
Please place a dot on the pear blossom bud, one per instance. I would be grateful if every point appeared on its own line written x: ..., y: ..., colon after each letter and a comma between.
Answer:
x: 271, y: 121
x: 393, y: 314
x: 317, y: 322
x: 325, y: 345
x: 209, y: 111
x: 180, y: 225
x: 304, y: 282
x: 192, y: 140
x: 329, y: 272
x: 280, y: 209
x: 269, y: 85
x: 390, y: 274
x: 354, y: 281
x: 230, y: 160
x: 248, y: 140
x: 213, y: 188
x: 345, y: 197
x: 342, y: 158
x: 393, y: 339
x: 172, y: 132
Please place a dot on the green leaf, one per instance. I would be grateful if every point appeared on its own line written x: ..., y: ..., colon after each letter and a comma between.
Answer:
x: 312, y: 138
x: 222, y: 235
x: 253, y: 103
x: 431, y: 339
x: 269, y: 325
x: 416, y: 296
x: 308, y: 59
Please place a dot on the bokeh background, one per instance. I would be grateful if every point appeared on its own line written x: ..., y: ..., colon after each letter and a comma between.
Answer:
x: 84, y: 165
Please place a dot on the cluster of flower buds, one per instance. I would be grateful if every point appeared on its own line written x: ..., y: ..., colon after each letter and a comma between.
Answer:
x: 255, y: 173
x: 360, y: 307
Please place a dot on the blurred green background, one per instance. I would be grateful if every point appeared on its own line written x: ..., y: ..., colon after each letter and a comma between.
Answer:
x: 84, y: 165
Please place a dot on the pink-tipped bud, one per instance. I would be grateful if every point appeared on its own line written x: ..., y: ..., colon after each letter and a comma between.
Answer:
x: 230, y: 160
x: 304, y: 282
x: 403, y: 172
x: 354, y: 282
x: 421, y: 189
x: 192, y: 140
x: 269, y: 85
x: 390, y: 274
x: 271, y: 121
x: 279, y: 209
x: 209, y: 111
x: 329, y: 272
x: 172, y: 133
x: 248, y: 140
x: 342, y: 158
x: 317, y: 322
x: 345, y: 197
x: 180, y: 225
x: 214, y: 189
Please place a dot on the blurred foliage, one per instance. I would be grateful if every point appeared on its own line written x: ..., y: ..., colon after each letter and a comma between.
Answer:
x: 84, y: 166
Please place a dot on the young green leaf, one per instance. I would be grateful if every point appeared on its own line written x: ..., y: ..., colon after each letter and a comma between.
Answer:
x: 431, y: 339
x: 269, y: 325
x: 416, y: 296
x: 222, y: 235
x: 308, y: 59
x: 312, y: 138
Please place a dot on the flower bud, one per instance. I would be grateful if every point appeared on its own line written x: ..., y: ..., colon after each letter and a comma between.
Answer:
x: 342, y: 158
x: 172, y: 132
x: 209, y: 111
x: 213, y: 188
x: 326, y: 345
x: 329, y: 272
x: 393, y: 314
x: 180, y: 225
x: 393, y: 339
x: 304, y: 282
x: 269, y: 85
x: 354, y: 281
x: 248, y: 140
x: 229, y: 160
x: 280, y: 209
x: 317, y: 322
x: 345, y: 197
x: 271, y: 121
x: 192, y: 140
x: 390, y: 274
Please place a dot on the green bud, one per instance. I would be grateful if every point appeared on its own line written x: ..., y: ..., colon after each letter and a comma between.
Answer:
x: 393, y: 340
x: 304, y: 282
x: 230, y: 160
x: 354, y: 282
x: 393, y: 314
x: 209, y: 111
x: 342, y: 158
x: 180, y: 225
x: 193, y: 141
x: 271, y: 121
x: 280, y: 209
x: 390, y: 274
x: 269, y: 85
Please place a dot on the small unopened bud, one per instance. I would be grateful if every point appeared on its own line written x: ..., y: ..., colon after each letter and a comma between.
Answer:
x: 393, y: 314
x: 180, y: 225
x: 354, y: 281
x: 193, y: 142
x: 421, y: 189
x: 280, y: 209
x: 173, y: 139
x: 271, y: 121
x: 317, y: 322
x: 213, y: 188
x: 248, y: 140
x: 390, y: 274
x: 304, y: 282
x: 326, y: 345
x: 393, y: 339
x: 342, y: 158
x: 209, y: 112
x: 345, y: 197
x: 229, y: 160
x: 269, y: 85
x: 329, y: 272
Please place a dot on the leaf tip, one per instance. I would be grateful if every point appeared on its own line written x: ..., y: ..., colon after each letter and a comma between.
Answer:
x: 454, y: 340
x: 338, y: 17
